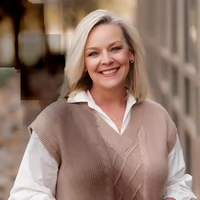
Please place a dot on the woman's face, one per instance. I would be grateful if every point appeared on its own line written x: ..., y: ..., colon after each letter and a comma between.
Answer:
x: 107, y: 57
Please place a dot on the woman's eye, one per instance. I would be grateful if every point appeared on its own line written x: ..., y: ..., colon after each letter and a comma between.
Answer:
x: 93, y: 54
x: 115, y: 48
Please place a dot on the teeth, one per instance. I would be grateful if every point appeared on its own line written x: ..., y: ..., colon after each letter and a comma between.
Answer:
x: 109, y: 72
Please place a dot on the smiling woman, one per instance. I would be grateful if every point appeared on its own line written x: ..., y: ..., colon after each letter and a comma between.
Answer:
x: 102, y: 139
x: 107, y: 58
x: 127, y: 37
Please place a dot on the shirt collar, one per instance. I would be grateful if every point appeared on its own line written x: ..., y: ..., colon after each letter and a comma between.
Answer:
x: 79, y: 97
x: 85, y: 96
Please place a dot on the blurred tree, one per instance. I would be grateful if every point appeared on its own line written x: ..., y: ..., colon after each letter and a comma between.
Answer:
x: 74, y: 10
x: 15, y: 9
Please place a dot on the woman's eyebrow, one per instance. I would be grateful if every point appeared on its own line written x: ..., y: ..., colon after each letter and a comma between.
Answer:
x: 91, y: 48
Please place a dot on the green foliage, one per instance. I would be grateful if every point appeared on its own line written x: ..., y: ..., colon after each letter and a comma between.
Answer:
x: 5, y: 74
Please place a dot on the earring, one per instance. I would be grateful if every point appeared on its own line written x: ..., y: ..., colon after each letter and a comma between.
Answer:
x: 131, y: 61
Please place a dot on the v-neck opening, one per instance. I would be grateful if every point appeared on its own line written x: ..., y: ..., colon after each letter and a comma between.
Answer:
x: 134, y: 122
x: 130, y: 136
x: 133, y: 126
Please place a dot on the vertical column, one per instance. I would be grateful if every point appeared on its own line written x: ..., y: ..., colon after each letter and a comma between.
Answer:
x: 180, y: 29
x: 168, y: 24
x: 197, y: 151
x: 198, y: 38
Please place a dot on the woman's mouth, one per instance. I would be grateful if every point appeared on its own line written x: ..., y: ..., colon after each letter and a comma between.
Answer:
x: 109, y: 72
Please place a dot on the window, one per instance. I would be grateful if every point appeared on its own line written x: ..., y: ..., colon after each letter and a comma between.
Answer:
x: 187, y: 96
x: 174, y: 86
x: 151, y: 18
x: 163, y: 23
x: 174, y: 26
x: 164, y: 69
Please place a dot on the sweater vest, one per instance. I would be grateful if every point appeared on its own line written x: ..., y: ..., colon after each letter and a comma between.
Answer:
x: 97, y: 163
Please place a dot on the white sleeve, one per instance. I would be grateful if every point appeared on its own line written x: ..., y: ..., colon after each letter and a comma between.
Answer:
x: 37, y: 175
x: 179, y: 184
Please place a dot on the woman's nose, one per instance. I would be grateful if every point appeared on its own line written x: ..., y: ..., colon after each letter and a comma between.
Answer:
x: 106, y: 59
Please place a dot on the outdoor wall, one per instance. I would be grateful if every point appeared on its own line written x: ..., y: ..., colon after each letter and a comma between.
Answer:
x: 170, y: 33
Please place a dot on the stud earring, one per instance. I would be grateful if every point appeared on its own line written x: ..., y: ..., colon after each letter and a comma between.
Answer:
x: 131, y: 61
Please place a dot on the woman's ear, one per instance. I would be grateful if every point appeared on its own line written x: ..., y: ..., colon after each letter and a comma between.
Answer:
x: 132, y: 58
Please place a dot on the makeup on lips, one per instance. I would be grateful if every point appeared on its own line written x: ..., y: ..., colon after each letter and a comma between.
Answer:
x: 109, y: 72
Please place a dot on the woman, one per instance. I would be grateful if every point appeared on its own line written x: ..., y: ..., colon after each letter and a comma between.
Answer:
x: 102, y: 139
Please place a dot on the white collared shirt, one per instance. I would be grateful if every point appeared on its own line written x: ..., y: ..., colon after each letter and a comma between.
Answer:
x: 37, y: 176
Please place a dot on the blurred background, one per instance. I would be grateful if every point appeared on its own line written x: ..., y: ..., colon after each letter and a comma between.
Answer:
x: 34, y: 35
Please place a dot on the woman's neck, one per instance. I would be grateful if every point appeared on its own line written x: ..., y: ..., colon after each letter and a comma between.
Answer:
x: 113, y: 103
x: 104, y: 97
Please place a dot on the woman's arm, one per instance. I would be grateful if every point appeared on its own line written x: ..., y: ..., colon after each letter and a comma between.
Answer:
x: 37, y: 175
x: 179, y: 184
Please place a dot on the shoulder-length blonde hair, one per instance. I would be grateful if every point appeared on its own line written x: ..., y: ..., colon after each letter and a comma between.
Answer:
x: 75, y: 77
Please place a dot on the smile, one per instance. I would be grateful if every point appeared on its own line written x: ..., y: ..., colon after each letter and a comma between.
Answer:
x: 110, y: 72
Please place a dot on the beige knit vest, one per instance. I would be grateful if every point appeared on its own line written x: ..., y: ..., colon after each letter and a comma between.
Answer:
x: 96, y: 163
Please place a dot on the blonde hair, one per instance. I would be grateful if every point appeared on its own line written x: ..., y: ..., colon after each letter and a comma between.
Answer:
x: 75, y: 77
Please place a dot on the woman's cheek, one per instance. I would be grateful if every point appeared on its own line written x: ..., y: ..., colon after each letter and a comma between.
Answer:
x: 93, y: 62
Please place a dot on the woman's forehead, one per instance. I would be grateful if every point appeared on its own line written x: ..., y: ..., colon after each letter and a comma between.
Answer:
x: 105, y: 33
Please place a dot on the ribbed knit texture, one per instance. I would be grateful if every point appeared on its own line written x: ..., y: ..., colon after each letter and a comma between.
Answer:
x: 96, y: 163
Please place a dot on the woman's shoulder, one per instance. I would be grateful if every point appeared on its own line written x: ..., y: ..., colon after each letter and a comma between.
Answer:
x: 53, y: 111
x: 56, y: 107
x: 153, y: 106
x: 58, y: 104
x: 158, y: 122
x: 46, y: 126
x: 153, y: 111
